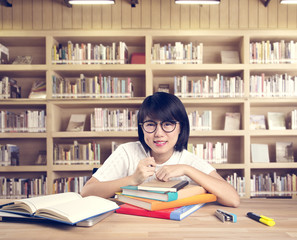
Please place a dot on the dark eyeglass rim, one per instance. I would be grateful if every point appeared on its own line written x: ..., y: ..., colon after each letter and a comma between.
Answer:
x: 161, y: 123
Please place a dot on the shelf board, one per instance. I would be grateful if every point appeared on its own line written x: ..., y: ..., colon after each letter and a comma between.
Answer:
x: 215, y: 133
x: 229, y: 166
x: 88, y: 134
x: 23, y: 135
x: 31, y: 168
x: 196, y: 68
x: 117, y: 68
x: 24, y: 102
x: 22, y: 68
x: 76, y: 103
x: 70, y: 168
x: 265, y: 133
x: 274, y: 165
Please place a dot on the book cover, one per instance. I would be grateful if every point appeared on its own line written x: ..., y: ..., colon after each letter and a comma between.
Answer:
x: 38, y: 90
x: 187, y: 191
x: 69, y: 208
x: 276, y: 121
x: 232, y: 121
x: 284, y: 152
x: 259, y: 153
x: 169, y: 186
x: 76, y: 123
x: 13, y: 217
x: 176, y: 214
x: 154, y: 205
x: 257, y: 122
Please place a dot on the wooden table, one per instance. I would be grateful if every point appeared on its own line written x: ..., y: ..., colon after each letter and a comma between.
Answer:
x: 200, y: 225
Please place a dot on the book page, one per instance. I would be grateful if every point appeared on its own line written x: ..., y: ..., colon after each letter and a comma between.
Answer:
x: 44, y: 201
x: 77, y: 210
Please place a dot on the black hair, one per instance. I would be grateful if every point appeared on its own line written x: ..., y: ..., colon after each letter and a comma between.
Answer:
x: 165, y: 107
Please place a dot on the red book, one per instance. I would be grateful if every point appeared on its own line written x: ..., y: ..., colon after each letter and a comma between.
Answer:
x: 176, y: 214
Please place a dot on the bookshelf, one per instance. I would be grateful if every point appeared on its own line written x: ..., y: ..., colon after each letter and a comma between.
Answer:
x: 146, y: 79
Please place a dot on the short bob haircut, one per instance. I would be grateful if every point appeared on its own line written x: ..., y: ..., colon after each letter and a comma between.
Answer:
x: 164, y: 107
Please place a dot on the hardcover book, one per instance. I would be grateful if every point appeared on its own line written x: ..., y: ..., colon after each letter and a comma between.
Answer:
x: 76, y: 123
x: 260, y: 153
x: 232, y: 121
x: 257, y: 122
x: 169, y: 186
x: 154, y: 205
x: 284, y: 152
x: 276, y: 121
x: 187, y: 191
x: 176, y: 214
x: 70, y: 208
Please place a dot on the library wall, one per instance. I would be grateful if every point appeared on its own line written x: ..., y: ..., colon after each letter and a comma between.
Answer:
x: 148, y: 14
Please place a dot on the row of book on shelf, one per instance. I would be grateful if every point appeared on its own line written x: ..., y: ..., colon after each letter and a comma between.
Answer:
x: 9, y: 155
x: 210, y: 86
x: 179, y: 53
x: 88, y: 53
x: 77, y: 153
x: 273, y: 184
x: 211, y: 152
x: 103, y: 119
x: 278, y: 85
x: 70, y: 184
x: 273, y: 52
x: 92, y: 87
x: 22, y: 187
x: 25, y: 121
x: 284, y: 152
x: 275, y: 121
x: 9, y: 88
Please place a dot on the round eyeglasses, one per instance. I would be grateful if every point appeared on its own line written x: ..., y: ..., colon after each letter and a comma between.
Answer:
x: 150, y: 126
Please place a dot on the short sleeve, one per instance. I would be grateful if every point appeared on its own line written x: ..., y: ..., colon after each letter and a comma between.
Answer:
x: 114, y: 167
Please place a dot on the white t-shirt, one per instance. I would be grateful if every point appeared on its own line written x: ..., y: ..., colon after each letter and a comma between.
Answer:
x: 124, y: 160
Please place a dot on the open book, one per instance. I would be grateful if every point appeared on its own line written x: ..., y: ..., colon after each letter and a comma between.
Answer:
x: 70, y: 207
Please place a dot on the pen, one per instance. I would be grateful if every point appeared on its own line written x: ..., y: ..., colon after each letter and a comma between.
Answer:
x: 265, y: 220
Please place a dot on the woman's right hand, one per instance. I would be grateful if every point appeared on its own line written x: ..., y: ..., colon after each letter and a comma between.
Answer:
x: 146, y: 168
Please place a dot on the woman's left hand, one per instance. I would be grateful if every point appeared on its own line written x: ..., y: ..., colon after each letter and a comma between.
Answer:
x: 170, y: 171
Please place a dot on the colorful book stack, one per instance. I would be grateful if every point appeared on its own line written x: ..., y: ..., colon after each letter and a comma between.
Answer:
x: 172, y: 200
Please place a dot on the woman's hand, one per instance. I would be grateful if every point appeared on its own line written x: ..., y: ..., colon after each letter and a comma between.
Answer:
x: 170, y: 171
x: 146, y: 168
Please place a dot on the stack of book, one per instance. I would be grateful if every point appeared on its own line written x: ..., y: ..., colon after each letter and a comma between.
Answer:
x: 172, y: 200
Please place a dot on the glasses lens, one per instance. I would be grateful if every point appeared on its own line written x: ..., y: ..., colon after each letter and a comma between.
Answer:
x: 168, y: 126
x: 149, y: 126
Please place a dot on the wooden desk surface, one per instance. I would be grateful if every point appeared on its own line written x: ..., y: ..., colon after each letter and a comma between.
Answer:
x: 200, y: 225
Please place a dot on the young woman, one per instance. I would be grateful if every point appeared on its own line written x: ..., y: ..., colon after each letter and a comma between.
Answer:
x: 161, y: 153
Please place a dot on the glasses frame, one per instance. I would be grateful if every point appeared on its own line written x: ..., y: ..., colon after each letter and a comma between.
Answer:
x: 161, y: 124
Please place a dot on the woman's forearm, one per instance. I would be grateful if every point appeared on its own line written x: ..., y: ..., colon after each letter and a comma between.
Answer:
x: 215, y: 184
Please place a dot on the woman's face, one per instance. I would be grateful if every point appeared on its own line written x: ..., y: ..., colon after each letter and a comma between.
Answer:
x: 161, y: 143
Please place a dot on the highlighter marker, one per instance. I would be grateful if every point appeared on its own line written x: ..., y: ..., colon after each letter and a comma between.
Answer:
x: 262, y: 219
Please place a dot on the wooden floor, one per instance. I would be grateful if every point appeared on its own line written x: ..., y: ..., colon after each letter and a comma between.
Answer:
x: 200, y: 225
